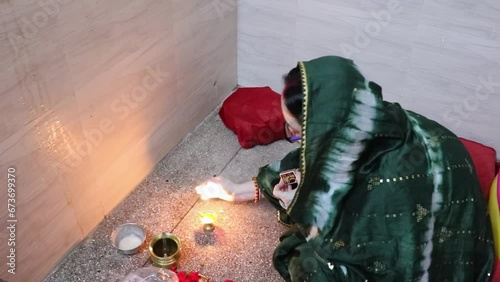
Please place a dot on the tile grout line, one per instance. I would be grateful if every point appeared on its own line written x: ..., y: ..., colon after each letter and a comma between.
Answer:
x: 197, y: 200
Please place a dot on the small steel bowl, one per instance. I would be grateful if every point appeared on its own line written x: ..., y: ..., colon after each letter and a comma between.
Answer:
x: 128, y: 238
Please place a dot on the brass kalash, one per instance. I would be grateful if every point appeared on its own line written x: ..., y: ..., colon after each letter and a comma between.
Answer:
x: 165, y: 249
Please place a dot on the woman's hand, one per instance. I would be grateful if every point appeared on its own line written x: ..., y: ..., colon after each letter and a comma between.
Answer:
x: 285, y: 192
x: 217, y: 188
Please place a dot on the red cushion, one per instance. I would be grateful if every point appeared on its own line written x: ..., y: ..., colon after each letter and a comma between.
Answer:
x: 484, y: 159
x: 254, y: 114
x: 496, y: 271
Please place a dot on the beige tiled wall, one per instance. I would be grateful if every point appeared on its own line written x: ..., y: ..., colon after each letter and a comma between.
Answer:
x: 437, y: 57
x: 92, y: 95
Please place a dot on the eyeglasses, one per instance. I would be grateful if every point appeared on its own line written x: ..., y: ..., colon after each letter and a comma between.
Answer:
x: 289, y: 134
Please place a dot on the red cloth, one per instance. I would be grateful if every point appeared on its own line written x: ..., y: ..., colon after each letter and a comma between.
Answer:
x: 484, y: 159
x: 254, y: 114
x: 496, y: 271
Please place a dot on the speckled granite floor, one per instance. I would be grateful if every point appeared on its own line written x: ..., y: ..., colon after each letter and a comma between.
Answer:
x: 243, y: 242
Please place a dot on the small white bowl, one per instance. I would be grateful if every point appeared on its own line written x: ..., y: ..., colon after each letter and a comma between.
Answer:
x: 128, y: 238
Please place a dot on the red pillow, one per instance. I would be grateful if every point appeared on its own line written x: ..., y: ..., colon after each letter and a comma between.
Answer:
x: 484, y: 159
x: 496, y: 271
x: 254, y: 114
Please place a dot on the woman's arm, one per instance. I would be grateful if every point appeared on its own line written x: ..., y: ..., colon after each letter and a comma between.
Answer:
x: 225, y: 189
x: 268, y: 177
x: 244, y: 192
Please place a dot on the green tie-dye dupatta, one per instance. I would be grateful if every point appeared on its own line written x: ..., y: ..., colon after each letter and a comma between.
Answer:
x: 385, y: 194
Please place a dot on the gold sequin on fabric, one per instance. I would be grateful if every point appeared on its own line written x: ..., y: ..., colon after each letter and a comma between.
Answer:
x: 469, y: 165
x: 339, y: 244
x: 444, y: 234
x: 451, y: 262
x: 459, y: 202
x: 465, y: 165
x: 436, y: 139
x: 421, y: 246
x: 376, y: 181
x: 388, y: 135
x: 372, y: 243
x: 373, y: 182
x: 377, y: 267
x: 421, y: 213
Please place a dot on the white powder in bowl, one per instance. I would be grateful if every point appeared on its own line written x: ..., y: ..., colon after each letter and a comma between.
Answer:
x: 129, y: 242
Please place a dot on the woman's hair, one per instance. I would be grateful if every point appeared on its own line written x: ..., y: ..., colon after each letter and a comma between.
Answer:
x: 292, y: 93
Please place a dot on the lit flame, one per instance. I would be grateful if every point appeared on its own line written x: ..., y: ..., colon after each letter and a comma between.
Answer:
x: 208, y: 217
x: 208, y: 191
x: 206, y: 220
x: 212, y: 190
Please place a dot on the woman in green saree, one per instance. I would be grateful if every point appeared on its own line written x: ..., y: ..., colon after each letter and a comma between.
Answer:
x: 384, y: 194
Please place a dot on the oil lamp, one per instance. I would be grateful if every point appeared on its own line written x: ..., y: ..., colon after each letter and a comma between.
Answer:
x: 208, y: 219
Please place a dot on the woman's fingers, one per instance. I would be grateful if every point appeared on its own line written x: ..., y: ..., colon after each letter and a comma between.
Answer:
x: 281, y: 186
x: 213, y: 190
x: 208, y: 190
x: 226, y: 196
x: 200, y: 190
x: 279, y: 190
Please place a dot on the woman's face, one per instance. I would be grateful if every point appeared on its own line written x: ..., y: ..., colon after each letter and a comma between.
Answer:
x: 294, y: 128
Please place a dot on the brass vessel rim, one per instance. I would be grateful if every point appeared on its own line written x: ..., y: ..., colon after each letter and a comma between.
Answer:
x: 160, y: 237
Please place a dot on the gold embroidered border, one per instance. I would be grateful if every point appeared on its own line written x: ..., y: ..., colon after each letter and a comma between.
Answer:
x: 435, y: 139
x: 303, y: 170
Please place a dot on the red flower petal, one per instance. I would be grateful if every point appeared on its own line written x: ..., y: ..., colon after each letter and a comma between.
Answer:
x: 173, y: 268
x: 181, y: 275
x: 228, y: 280
x: 194, y: 277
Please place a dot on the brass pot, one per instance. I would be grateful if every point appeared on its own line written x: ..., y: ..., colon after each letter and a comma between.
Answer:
x: 165, y: 249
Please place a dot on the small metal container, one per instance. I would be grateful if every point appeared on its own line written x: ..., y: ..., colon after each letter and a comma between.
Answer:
x: 208, y: 218
x: 128, y: 238
x: 165, y: 249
